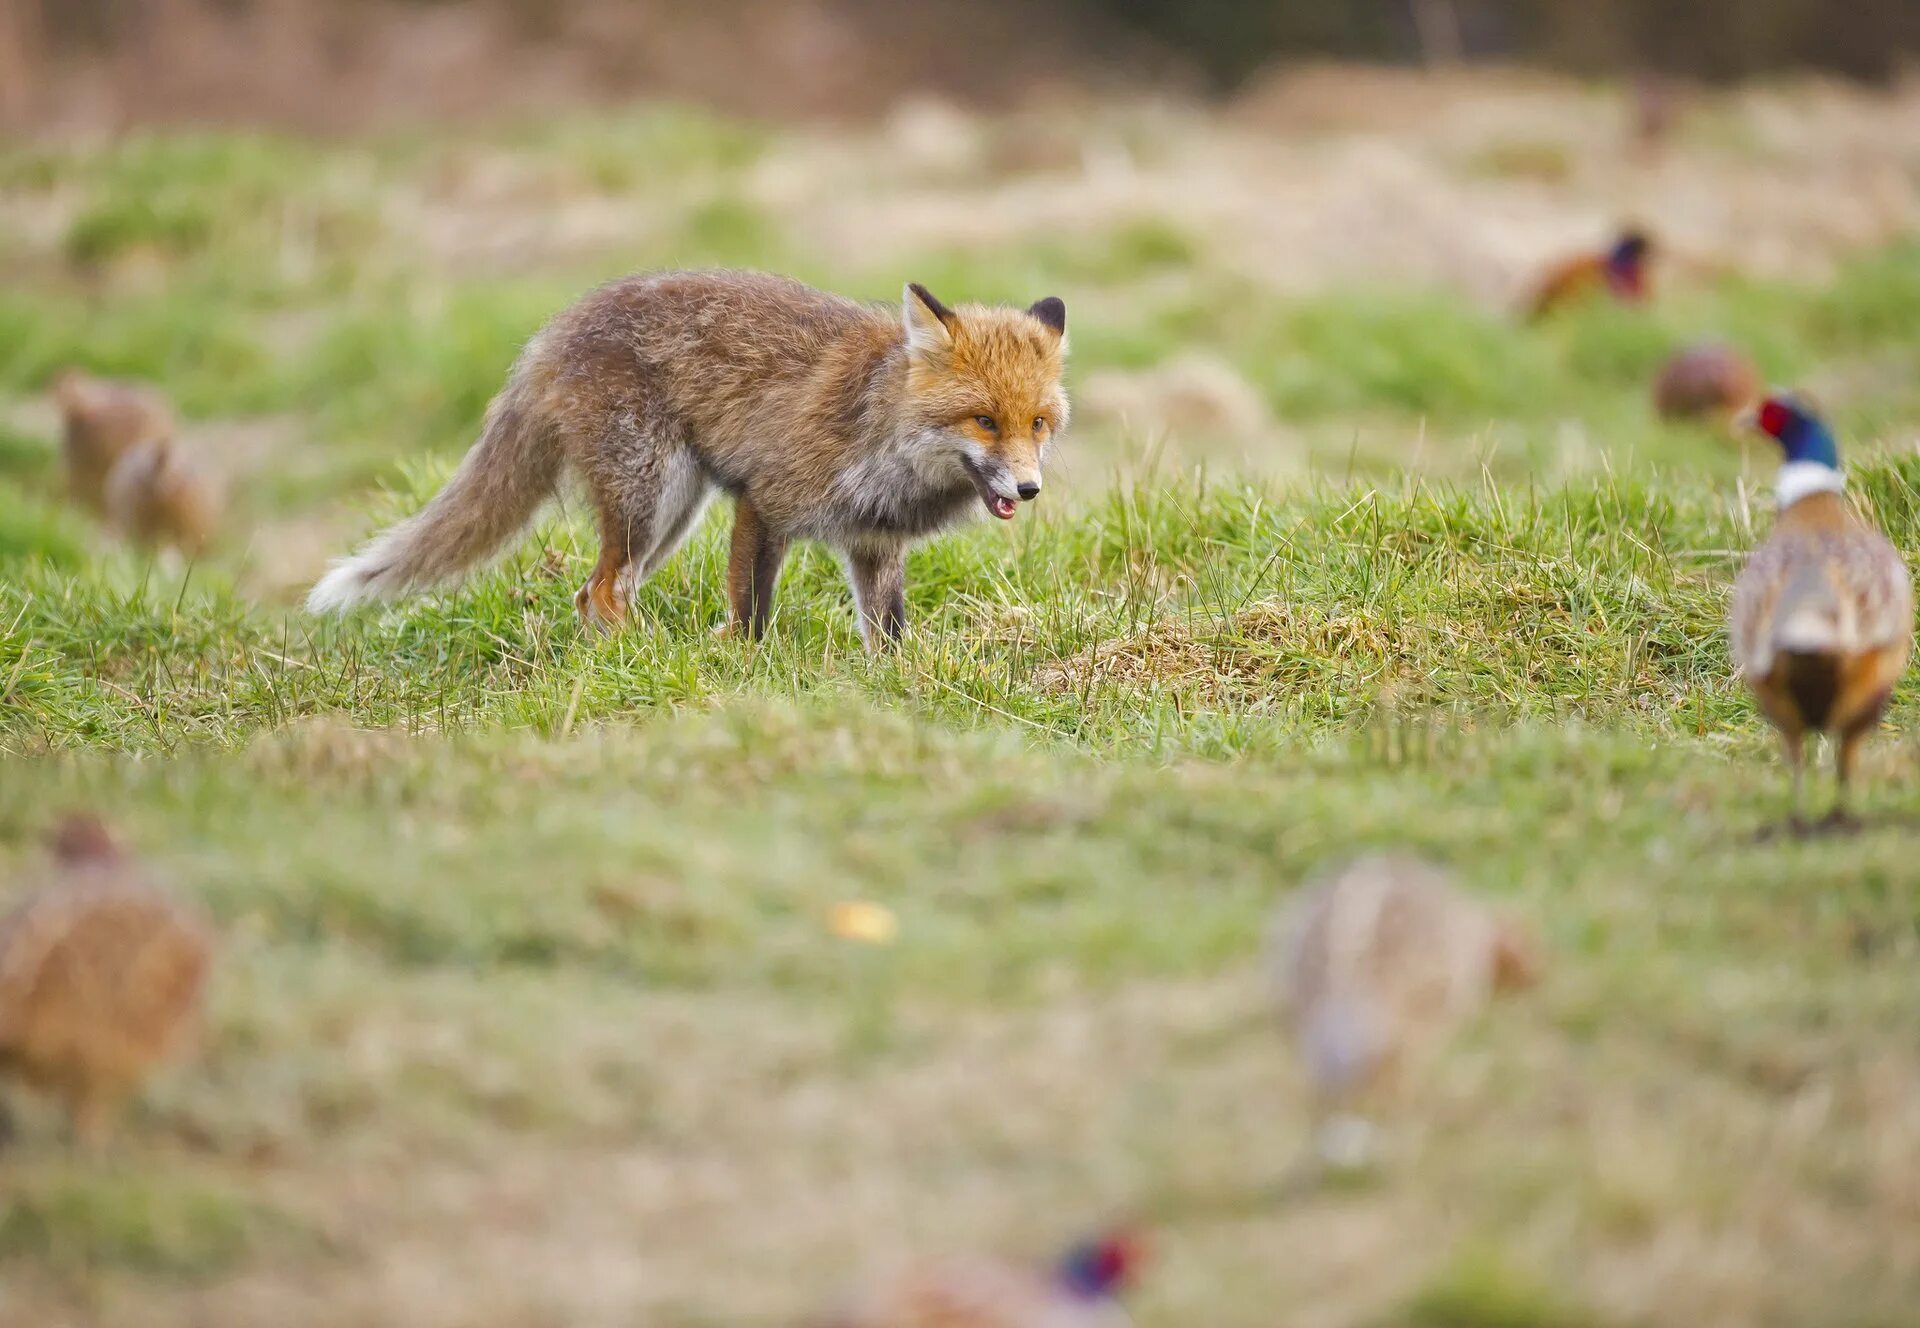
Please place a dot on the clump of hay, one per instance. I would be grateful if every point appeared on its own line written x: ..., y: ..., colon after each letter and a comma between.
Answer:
x: 1190, y: 396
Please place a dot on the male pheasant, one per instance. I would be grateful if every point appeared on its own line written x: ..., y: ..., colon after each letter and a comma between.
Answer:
x: 1375, y: 966
x: 1822, y: 616
x: 977, y: 1292
x: 102, y: 977
x: 1621, y: 272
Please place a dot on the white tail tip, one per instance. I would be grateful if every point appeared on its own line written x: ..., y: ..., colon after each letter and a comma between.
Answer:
x: 341, y: 589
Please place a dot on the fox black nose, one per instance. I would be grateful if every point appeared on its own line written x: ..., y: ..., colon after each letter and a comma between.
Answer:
x: 1029, y: 491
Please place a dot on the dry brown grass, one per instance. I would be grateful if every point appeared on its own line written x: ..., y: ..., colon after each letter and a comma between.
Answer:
x: 1265, y: 650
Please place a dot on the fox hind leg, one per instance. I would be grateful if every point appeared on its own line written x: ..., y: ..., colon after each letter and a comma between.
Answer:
x: 648, y: 490
x: 683, y: 499
x: 602, y: 601
x: 753, y: 570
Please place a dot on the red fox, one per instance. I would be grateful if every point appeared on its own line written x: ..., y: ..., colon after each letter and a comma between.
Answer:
x: 824, y: 418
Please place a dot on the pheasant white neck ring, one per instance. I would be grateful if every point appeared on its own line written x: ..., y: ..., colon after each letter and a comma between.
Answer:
x: 1798, y: 479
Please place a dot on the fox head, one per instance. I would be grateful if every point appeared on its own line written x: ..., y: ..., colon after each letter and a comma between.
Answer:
x: 984, y: 382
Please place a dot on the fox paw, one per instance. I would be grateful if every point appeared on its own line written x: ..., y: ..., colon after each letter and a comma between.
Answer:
x: 602, y: 606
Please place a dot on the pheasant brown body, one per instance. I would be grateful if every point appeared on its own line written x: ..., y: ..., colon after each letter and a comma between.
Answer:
x: 102, y: 976
x: 978, y: 1293
x: 1709, y: 382
x: 155, y: 497
x: 103, y: 419
x: 1378, y: 964
x: 1822, y: 625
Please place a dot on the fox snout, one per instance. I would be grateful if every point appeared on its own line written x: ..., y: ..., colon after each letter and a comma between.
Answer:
x: 1001, y: 480
x: 1023, y: 473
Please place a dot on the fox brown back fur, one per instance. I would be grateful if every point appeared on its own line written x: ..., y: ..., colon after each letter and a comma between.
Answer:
x: 824, y: 418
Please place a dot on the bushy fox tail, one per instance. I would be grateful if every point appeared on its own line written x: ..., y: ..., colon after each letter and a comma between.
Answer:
x: 491, y: 497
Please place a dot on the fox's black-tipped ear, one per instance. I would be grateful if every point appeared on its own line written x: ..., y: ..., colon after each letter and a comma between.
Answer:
x: 1052, y: 311
x: 929, y: 323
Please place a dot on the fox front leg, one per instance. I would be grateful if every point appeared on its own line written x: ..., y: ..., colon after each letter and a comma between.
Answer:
x: 879, y: 578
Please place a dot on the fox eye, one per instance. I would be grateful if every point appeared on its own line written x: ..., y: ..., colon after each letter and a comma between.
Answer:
x: 987, y: 422
x: 1039, y: 423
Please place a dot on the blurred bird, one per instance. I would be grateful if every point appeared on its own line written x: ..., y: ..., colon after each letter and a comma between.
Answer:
x: 103, y: 419
x: 102, y: 977
x: 1707, y: 381
x: 1822, y: 617
x: 1621, y: 272
x: 1375, y: 966
x: 975, y: 1292
x: 157, y: 498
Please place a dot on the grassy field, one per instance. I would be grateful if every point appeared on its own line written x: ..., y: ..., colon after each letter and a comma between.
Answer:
x: 529, y: 1011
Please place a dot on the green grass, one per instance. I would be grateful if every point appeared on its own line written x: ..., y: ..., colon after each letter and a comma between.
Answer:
x: 80, y: 1224
x: 1179, y: 616
x: 528, y: 993
x: 1478, y: 1291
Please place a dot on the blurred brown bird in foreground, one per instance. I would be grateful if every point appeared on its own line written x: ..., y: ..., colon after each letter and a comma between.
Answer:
x: 1707, y: 381
x: 1822, y: 615
x: 102, y: 978
x: 102, y: 419
x: 1376, y: 965
x: 157, y: 498
x: 1621, y: 272
x: 977, y: 1292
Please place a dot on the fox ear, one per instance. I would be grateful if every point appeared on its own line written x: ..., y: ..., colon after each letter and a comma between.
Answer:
x: 1052, y: 311
x: 929, y: 323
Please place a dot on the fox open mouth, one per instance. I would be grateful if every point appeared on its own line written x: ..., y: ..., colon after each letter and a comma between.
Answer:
x: 996, y: 502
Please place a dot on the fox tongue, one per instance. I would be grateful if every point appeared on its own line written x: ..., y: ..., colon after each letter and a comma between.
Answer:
x: 1004, y: 508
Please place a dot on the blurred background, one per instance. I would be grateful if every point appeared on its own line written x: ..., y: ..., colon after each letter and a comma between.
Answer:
x: 334, y: 63
x: 530, y: 1008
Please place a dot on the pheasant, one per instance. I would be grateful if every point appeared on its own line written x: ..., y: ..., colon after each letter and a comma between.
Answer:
x: 1375, y: 967
x: 103, y: 419
x: 155, y: 496
x: 1620, y: 272
x: 1822, y: 618
x: 102, y: 977
x: 1707, y: 381
x: 976, y: 1292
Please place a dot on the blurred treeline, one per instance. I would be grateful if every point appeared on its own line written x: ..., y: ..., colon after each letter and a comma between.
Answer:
x: 1706, y: 39
x: 326, y: 62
